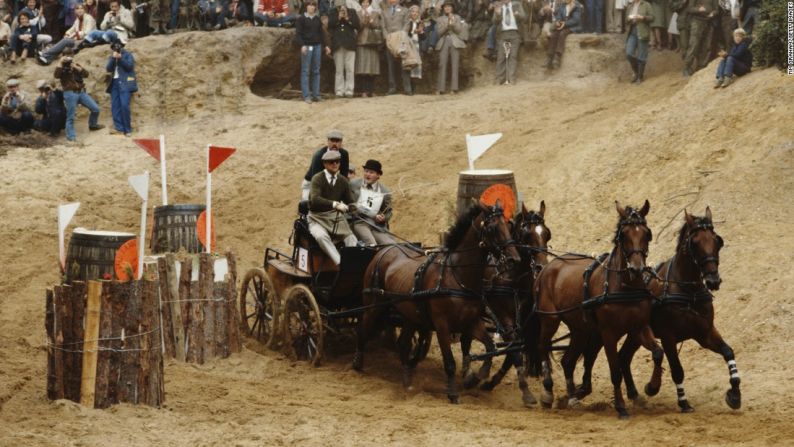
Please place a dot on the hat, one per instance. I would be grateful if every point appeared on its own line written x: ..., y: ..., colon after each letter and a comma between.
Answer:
x: 374, y: 165
x: 334, y: 135
x: 448, y: 2
x: 40, y: 84
x: 332, y: 155
x: 12, y: 82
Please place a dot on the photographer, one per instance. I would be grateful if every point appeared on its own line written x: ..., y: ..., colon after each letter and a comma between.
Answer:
x: 15, y: 116
x: 117, y: 25
x: 121, y: 66
x: 83, y: 24
x: 71, y: 76
x: 342, y: 25
x: 50, y: 106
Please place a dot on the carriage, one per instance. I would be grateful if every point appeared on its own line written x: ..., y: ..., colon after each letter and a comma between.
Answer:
x: 295, y: 301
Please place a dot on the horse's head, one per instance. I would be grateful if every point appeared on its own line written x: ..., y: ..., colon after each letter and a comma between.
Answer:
x: 699, y: 240
x: 530, y: 230
x: 633, y: 236
x: 494, y: 235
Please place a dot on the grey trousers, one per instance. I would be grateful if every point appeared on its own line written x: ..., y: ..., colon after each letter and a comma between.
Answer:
x: 448, y: 54
x: 371, y: 236
x: 345, y: 61
x: 55, y: 50
x: 326, y: 244
x: 396, y: 64
x: 506, y: 66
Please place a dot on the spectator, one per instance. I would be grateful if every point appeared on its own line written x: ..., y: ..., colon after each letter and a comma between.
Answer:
x: 748, y: 14
x: 50, y: 106
x: 613, y: 11
x: 37, y: 20
x: 275, y: 13
x: 681, y: 8
x: 158, y: 16
x: 505, y: 19
x: 567, y: 20
x: 430, y: 10
x: 237, y: 14
x: 5, y: 38
x: 700, y: 13
x: 6, y: 14
x: 84, y: 23
x: 309, y: 35
x: 213, y: 12
x: 395, y: 20
x: 121, y: 66
x: 369, y: 39
x: 640, y: 16
x: 342, y: 25
x: 90, y: 7
x: 117, y: 25
x: 72, y: 76
x: 595, y: 16
x: 417, y: 36
x: 736, y: 62
x: 449, y: 27
x: 334, y: 138
x: 23, y: 39
x: 725, y: 25
x: 661, y: 20
x: 373, y: 206
x: 15, y: 116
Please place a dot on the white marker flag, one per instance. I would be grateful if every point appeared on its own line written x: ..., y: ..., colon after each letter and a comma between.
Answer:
x: 476, y: 145
x: 65, y: 214
x: 140, y: 183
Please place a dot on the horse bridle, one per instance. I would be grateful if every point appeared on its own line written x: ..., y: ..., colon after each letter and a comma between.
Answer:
x: 701, y: 263
x: 534, y: 219
x: 634, y: 218
x: 495, y: 250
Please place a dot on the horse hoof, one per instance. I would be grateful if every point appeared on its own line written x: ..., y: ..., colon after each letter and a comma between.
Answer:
x: 651, y: 391
x: 685, y: 407
x: 582, y: 392
x: 734, y: 399
x: 487, y: 386
x: 529, y: 400
x: 453, y: 399
x: 358, y: 363
x: 632, y: 393
x: 574, y: 403
x: 546, y: 399
x: 623, y: 415
x: 470, y: 381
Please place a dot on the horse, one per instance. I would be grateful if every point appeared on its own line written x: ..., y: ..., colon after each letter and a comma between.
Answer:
x: 508, y: 296
x: 610, y: 302
x: 440, y: 291
x: 684, y: 308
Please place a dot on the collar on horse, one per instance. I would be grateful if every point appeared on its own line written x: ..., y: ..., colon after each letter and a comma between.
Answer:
x: 700, y: 295
x: 621, y: 296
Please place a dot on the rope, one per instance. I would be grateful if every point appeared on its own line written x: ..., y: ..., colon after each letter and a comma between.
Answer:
x: 122, y: 338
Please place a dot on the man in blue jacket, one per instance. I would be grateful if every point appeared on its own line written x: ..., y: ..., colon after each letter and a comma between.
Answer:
x: 121, y: 66
x: 567, y: 20
x: 735, y: 62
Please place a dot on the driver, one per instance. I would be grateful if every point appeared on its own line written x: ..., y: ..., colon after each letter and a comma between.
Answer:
x: 334, y: 144
x: 329, y: 197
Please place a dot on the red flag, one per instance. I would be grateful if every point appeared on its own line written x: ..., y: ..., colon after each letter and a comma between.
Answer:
x: 218, y: 155
x: 150, y: 145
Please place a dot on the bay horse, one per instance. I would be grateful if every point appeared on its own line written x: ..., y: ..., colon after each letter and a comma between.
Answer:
x: 440, y: 291
x: 509, y: 296
x: 684, y: 308
x: 599, y: 301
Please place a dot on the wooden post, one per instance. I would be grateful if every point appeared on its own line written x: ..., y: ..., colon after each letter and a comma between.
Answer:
x: 220, y: 293
x: 178, y: 326
x: 232, y: 314
x: 120, y: 295
x: 145, y: 328
x: 77, y: 304
x: 207, y: 280
x: 128, y: 379
x: 167, y: 335
x: 154, y: 382
x: 91, y: 344
x: 102, y: 399
x: 49, y: 325
x: 60, y: 339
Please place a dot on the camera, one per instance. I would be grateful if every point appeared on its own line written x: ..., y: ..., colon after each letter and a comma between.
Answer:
x: 116, y: 47
x: 67, y: 62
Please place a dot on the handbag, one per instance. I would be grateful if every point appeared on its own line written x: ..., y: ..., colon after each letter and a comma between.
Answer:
x: 373, y: 37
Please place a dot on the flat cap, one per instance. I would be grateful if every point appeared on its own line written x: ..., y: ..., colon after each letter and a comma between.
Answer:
x: 334, y: 134
x: 12, y: 82
x: 40, y: 84
x: 332, y: 155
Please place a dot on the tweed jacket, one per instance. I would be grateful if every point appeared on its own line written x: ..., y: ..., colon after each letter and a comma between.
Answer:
x: 393, y: 22
x: 322, y: 194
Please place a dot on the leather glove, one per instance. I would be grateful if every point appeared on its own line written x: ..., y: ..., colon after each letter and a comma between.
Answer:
x: 341, y: 207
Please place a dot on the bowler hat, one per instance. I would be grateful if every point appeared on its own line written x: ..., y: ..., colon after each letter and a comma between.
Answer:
x: 373, y: 165
x: 331, y: 156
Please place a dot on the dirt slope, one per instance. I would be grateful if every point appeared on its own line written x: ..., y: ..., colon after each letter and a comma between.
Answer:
x: 578, y: 142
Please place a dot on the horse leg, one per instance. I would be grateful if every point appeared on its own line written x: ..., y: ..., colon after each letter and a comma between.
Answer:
x: 496, y: 379
x: 626, y: 354
x: 610, y: 348
x: 713, y: 341
x: 548, y: 327
x: 526, y: 396
x: 648, y: 341
x: 676, y: 372
x: 445, y: 343
x: 363, y: 333
x: 404, y: 343
x: 471, y: 380
x: 568, y: 362
x: 590, y: 355
x: 465, y: 350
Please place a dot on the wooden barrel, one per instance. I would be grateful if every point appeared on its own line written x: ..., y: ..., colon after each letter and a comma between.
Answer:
x: 92, y: 254
x: 472, y: 183
x: 174, y: 227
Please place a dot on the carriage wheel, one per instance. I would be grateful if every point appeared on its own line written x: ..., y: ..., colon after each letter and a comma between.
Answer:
x: 258, y: 306
x: 303, y: 325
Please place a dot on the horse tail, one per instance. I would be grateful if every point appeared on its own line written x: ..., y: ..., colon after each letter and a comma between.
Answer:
x: 531, y: 341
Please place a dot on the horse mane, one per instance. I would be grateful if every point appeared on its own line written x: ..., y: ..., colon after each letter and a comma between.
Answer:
x: 458, y: 230
x: 684, y: 231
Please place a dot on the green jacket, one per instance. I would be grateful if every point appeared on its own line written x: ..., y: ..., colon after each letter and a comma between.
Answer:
x: 322, y: 196
x: 710, y: 7
x: 644, y: 25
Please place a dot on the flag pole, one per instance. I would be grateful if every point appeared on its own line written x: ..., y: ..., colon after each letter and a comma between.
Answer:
x: 468, y: 144
x: 162, y: 169
x: 141, y: 244
x: 207, y: 235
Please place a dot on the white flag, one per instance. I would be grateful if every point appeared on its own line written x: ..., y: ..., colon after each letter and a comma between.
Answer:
x: 140, y: 183
x: 478, y: 144
x: 65, y: 214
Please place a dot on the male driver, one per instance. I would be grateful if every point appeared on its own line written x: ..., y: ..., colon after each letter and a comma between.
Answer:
x: 373, y: 205
x: 334, y: 144
x: 330, y: 194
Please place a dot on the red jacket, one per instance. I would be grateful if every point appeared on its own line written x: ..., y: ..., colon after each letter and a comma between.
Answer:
x: 273, y: 6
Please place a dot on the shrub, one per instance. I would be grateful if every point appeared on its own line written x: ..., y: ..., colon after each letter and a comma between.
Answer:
x: 769, y: 41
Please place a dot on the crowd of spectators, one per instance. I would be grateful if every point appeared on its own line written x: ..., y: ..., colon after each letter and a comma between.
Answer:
x: 409, y: 34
